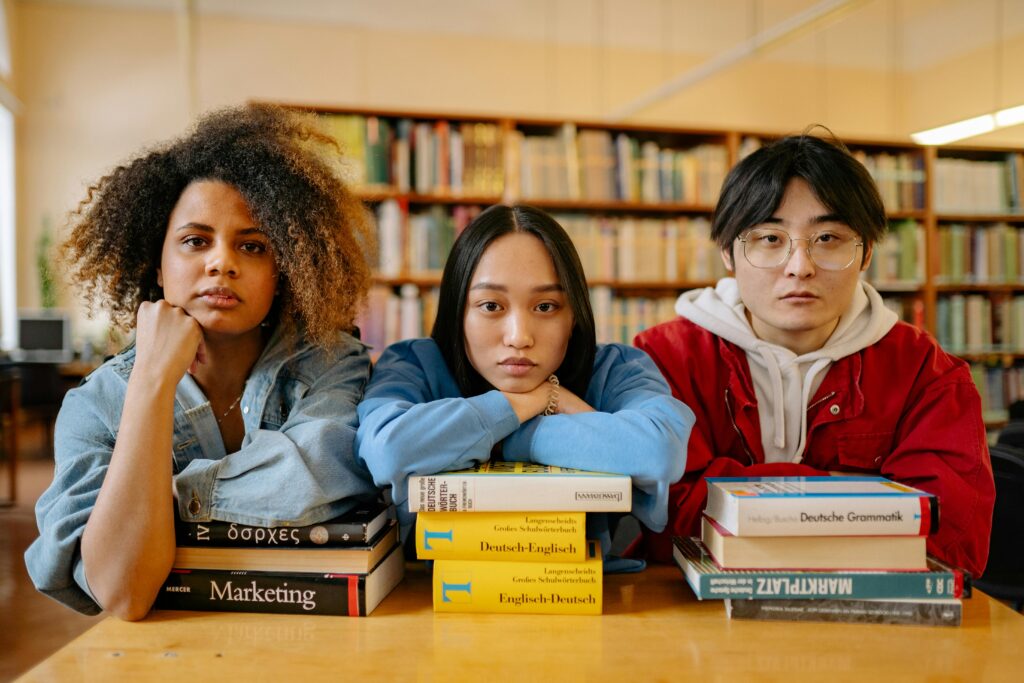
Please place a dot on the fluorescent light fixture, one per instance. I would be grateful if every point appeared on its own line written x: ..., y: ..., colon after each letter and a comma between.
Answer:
x: 1010, y: 117
x: 956, y: 131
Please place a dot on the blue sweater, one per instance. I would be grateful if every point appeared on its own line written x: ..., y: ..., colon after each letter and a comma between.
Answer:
x: 414, y: 420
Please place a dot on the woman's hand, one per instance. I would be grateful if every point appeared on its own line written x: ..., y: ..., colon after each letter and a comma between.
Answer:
x: 570, y: 404
x: 168, y: 342
x: 534, y: 402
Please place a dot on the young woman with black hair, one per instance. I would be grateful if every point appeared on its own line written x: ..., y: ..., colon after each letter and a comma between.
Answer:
x: 512, y: 371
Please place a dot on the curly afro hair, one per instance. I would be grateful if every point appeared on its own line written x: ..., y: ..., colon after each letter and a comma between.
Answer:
x: 284, y: 166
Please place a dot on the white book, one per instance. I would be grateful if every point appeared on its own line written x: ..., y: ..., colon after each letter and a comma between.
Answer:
x: 510, y: 486
x: 820, y: 506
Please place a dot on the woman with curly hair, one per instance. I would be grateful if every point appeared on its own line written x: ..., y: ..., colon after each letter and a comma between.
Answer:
x: 238, y: 256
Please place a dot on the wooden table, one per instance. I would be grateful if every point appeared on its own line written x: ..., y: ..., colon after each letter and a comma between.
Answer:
x: 652, y: 629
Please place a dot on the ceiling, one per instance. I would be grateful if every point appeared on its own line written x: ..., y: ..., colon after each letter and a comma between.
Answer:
x: 904, y: 35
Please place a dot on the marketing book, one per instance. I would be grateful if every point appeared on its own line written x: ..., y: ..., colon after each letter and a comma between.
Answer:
x: 517, y: 486
x: 820, y: 506
x: 813, y: 552
x: 354, y: 559
x: 355, y: 527
x: 710, y: 582
x: 336, y: 594
x: 518, y: 536
x: 937, y: 612
x: 520, y: 587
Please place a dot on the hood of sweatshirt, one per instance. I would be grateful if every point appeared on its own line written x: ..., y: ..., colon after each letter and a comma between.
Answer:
x: 784, y: 382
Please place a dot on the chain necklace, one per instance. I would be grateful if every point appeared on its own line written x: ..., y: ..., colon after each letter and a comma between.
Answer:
x: 230, y: 408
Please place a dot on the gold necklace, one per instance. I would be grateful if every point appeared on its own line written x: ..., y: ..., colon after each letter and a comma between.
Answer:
x: 230, y: 407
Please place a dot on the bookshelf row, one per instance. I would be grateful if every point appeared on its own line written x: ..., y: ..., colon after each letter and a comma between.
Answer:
x: 638, y: 201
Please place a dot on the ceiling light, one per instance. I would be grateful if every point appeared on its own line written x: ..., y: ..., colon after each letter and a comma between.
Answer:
x: 1010, y: 117
x: 956, y: 131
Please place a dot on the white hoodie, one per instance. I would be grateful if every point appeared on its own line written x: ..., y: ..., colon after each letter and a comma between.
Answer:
x: 783, y: 379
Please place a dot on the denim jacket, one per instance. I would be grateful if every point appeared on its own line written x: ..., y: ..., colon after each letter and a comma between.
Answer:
x: 297, y: 464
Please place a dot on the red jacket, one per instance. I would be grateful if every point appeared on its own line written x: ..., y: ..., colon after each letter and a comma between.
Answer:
x: 902, y: 408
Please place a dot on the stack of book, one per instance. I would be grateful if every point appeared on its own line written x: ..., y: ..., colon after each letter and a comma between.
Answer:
x: 510, y: 537
x: 344, y: 566
x: 821, y: 549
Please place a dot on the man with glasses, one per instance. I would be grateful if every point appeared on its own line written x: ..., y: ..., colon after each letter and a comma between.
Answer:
x: 794, y: 366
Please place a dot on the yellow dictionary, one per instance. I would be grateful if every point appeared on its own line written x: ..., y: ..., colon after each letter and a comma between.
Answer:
x: 520, y: 587
x: 513, y: 536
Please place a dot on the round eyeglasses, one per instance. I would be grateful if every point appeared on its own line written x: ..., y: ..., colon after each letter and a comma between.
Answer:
x: 828, y: 249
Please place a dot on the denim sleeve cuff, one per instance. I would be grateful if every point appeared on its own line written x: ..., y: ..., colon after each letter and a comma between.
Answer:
x: 78, y: 572
x: 195, y: 485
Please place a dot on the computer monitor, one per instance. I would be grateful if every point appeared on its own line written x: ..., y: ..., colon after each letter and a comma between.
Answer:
x: 44, y: 336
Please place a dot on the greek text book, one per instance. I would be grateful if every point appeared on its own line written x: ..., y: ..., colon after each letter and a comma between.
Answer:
x: 518, y: 536
x: 709, y: 582
x: 938, y: 612
x: 813, y: 552
x: 518, y: 486
x: 520, y: 587
x: 337, y: 594
x: 345, y: 560
x: 355, y: 527
x: 820, y: 506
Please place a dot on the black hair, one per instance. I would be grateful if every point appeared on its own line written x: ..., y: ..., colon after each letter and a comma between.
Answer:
x: 754, y: 187
x: 449, y: 334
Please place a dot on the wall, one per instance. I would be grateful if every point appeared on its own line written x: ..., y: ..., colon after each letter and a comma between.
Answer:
x: 98, y: 84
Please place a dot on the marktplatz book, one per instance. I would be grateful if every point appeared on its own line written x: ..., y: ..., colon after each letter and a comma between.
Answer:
x: 820, y: 506
x: 516, y: 486
x: 710, y: 582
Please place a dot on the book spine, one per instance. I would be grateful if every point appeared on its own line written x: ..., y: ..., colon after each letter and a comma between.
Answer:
x: 920, y: 612
x: 515, y: 536
x: 847, y: 585
x: 240, y: 591
x: 834, y: 516
x: 454, y: 492
x: 229, y: 535
x: 520, y: 587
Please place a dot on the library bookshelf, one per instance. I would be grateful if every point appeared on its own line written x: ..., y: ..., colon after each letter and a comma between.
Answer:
x: 638, y: 201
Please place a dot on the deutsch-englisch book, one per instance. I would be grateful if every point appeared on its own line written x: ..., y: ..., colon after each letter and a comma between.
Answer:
x: 516, y: 536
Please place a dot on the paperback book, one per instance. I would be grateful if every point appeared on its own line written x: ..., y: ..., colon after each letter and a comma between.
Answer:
x: 355, y: 527
x: 517, y: 486
x: 518, y: 536
x: 813, y: 552
x: 709, y: 582
x: 820, y: 506
x: 336, y: 594
x: 937, y: 612
x: 520, y: 587
x: 353, y: 559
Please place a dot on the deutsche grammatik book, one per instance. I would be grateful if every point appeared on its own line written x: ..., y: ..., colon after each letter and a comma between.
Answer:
x: 892, y: 553
x: 346, y: 560
x: 518, y: 486
x: 937, y: 612
x: 520, y: 587
x: 513, y: 536
x: 820, y: 506
x: 709, y: 582
x: 336, y: 594
x: 354, y: 527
